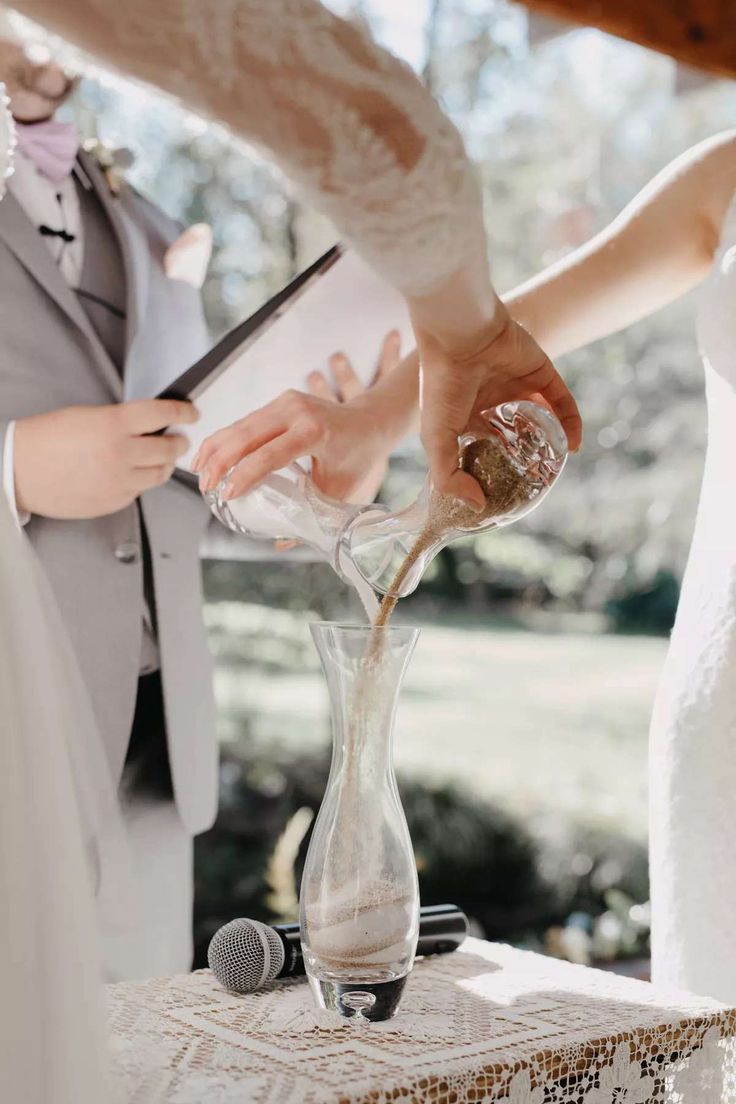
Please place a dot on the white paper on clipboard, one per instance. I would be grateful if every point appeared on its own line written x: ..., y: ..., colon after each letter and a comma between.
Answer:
x: 344, y: 308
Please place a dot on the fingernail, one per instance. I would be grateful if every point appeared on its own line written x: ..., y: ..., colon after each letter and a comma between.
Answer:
x: 227, y: 492
x: 471, y: 502
x: 195, y: 461
x: 206, y: 482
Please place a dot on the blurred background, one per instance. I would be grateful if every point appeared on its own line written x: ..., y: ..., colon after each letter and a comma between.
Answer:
x: 522, y: 733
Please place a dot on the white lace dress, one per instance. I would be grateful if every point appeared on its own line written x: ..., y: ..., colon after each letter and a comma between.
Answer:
x: 693, y: 739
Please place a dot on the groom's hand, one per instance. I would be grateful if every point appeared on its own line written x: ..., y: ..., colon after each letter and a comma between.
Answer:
x: 88, y: 461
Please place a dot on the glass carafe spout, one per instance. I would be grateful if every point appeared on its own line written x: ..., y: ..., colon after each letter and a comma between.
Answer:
x: 516, y: 453
x: 516, y: 456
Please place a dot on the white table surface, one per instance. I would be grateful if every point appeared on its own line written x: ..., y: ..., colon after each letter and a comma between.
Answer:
x: 488, y: 1023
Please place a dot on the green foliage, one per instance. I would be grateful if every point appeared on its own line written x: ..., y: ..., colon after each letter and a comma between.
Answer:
x: 512, y: 882
x: 476, y: 856
x: 650, y: 607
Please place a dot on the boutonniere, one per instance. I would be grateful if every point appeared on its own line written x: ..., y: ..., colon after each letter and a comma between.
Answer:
x: 111, y: 161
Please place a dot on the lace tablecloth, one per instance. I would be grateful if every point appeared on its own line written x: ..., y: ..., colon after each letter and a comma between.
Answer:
x: 488, y: 1023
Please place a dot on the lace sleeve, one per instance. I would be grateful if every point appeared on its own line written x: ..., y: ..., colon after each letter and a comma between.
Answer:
x: 346, y: 120
x: 7, y: 140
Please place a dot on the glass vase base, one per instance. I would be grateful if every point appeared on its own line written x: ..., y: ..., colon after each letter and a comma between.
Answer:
x: 374, y: 1001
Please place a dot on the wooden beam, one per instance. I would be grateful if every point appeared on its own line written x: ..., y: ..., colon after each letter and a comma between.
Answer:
x: 701, y: 33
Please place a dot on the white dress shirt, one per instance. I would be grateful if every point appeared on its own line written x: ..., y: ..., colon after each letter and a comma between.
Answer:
x: 53, y: 205
x: 56, y: 206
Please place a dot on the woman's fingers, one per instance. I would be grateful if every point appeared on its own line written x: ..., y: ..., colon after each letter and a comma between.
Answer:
x: 258, y: 422
x: 347, y: 383
x: 319, y: 387
x: 456, y: 390
x: 442, y: 452
x: 265, y: 441
x: 547, y: 382
x: 447, y: 403
x: 512, y: 366
x: 390, y: 355
x: 229, y: 445
x: 278, y: 453
x: 346, y: 378
x: 563, y: 403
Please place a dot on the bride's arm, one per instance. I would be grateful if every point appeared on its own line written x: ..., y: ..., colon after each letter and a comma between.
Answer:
x: 347, y: 120
x: 370, y: 147
x: 659, y: 247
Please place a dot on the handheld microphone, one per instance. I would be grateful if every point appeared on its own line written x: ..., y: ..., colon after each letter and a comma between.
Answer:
x: 245, y: 955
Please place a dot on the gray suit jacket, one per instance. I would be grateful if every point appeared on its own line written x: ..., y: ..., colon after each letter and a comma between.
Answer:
x: 50, y: 357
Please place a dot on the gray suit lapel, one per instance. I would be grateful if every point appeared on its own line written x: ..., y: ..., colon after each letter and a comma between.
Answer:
x: 133, y: 245
x: 22, y: 237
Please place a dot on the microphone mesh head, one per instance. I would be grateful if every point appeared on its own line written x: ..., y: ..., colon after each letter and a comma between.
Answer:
x: 245, y: 954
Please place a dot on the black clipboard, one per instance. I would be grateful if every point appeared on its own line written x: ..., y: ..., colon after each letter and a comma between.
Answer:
x: 206, y: 370
x: 339, y: 303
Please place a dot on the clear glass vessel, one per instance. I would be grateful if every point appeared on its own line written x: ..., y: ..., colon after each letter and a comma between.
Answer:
x: 525, y: 451
x: 359, y: 894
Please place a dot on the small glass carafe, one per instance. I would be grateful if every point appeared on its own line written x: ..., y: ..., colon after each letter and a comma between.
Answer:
x: 516, y: 457
x: 359, y: 895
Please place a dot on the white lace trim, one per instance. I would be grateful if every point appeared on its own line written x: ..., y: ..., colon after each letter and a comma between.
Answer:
x: 486, y: 1024
x: 7, y: 140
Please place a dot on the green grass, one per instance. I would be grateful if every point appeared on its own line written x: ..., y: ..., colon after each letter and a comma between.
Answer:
x: 540, y: 722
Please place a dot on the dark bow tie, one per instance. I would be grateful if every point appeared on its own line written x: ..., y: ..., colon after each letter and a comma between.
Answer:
x: 48, y: 232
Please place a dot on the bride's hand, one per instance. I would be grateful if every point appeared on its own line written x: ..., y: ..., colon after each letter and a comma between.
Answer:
x: 459, y: 382
x: 348, y: 431
x: 343, y: 440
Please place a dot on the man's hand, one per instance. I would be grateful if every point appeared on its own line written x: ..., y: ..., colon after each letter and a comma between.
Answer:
x: 88, y: 461
x: 345, y: 428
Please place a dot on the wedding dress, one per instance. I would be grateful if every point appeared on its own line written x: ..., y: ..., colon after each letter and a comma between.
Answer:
x: 51, y: 1011
x: 693, y: 738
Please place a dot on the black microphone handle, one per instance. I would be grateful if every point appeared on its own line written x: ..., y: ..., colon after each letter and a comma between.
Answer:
x: 442, y: 929
x: 290, y: 936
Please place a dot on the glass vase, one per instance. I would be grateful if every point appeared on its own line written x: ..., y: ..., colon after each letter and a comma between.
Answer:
x: 359, y: 894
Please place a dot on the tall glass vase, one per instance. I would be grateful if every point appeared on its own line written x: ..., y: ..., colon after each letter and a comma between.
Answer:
x: 359, y: 895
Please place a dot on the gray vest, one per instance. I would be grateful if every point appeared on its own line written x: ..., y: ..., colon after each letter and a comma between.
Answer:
x: 102, y: 294
x: 102, y: 288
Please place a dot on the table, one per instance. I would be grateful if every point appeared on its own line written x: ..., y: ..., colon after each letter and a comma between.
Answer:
x: 488, y: 1023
